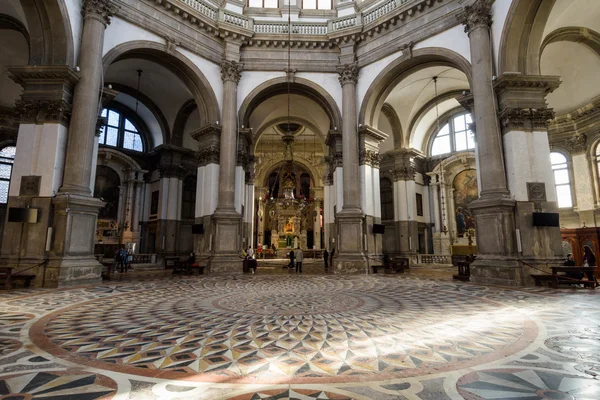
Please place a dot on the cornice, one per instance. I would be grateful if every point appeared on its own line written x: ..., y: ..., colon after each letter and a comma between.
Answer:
x: 44, y: 75
x: 373, y: 133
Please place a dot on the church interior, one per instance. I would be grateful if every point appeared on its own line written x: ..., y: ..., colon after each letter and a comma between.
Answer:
x: 434, y: 165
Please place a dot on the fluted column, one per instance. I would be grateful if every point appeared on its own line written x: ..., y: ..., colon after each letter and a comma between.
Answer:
x: 80, y: 145
x: 348, y: 79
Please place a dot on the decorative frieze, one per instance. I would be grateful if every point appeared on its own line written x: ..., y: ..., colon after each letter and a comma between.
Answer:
x: 577, y: 144
x: 477, y: 15
x: 101, y: 10
x: 525, y: 119
x: 348, y: 74
x: 43, y: 111
x: 369, y: 157
x: 208, y: 155
x: 231, y: 71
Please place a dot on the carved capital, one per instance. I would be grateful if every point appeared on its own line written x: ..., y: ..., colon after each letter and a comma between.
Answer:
x: 525, y: 118
x: 172, y: 171
x: 328, y: 179
x: 577, y: 144
x: 249, y: 177
x: 43, y: 111
x: 348, y: 74
x: 208, y: 155
x: 336, y: 161
x: 243, y: 159
x: 101, y: 10
x: 477, y: 15
x: 404, y: 167
x: 369, y: 157
x: 231, y: 71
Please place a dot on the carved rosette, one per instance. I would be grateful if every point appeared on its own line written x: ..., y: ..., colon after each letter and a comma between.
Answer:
x: 477, y: 15
x: 42, y: 111
x: 369, y: 157
x: 348, y: 74
x: 172, y: 171
x: 231, y: 71
x: 101, y: 10
x: 577, y: 144
x: 208, y: 155
x: 525, y: 118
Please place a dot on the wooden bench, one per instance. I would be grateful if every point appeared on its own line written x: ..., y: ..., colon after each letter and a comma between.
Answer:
x: 9, y: 277
x: 553, y: 280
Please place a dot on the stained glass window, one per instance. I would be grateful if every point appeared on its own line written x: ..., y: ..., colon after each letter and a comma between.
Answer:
x: 562, y: 181
x: 7, y: 158
x: 454, y: 135
x: 119, y: 131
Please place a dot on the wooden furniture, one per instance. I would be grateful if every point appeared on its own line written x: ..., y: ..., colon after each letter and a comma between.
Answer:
x: 554, y: 280
x: 575, y: 239
x: 463, y: 262
x: 396, y: 265
x: 9, y: 277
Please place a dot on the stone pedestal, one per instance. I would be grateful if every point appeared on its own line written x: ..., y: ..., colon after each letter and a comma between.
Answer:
x: 351, y: 259
x: 71, y: 261
x: 226, y: 244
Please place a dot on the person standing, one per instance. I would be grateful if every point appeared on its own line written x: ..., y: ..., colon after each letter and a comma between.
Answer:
x: 326, y: 259
x: 589, y: 260
x: 118, y: 260
x: 291, y: 264
x: 299, y: 259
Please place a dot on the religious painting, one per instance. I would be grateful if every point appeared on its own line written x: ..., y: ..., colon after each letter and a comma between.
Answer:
x: 465, y: 191
x: 419, y: 204
x: 154, y: 203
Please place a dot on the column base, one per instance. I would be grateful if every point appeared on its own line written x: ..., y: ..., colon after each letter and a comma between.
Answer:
x: 73, y: 271
x: 225, y: 265
x: 350, y: 259
x: 488, y: 270
x: 350, y: 264
x: 227, y: 243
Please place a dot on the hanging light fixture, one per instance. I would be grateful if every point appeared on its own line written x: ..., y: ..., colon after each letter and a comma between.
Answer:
x: 443, y: 189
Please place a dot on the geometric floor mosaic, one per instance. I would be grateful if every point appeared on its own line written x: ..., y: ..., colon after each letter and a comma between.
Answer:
x: 300, y: 337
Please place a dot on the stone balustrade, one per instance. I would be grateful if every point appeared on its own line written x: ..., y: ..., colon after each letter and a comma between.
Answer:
x: 380, y: 10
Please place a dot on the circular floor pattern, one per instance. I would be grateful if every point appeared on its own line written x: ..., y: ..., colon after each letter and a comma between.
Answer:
x: 292, y: 329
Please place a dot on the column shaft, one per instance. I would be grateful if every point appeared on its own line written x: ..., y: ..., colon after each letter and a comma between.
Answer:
x: 80, y: 145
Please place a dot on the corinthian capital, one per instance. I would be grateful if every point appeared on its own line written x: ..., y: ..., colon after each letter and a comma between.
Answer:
x: 348, y: 73
x: 231, y: 71
x: 101, y: 10
x: 476, y: 15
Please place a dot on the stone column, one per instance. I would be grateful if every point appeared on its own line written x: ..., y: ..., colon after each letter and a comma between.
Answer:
x: 43, y: 116
x: 350, y: 257
x: 227, y: 235
x: 404, y: 190
x: 209, y: 138
x: 317, y: 224
x: 328, y: 217
x: 80, y: 146
x: 494, y: 210
x: 583, y: 193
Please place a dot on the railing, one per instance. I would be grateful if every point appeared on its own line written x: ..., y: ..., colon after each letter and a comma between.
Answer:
x: 307, y: 28
x: 301, y: 28
x: 144, y: 259
x: 434, y: 259
x: 235, y: 19
x: 203, y: 8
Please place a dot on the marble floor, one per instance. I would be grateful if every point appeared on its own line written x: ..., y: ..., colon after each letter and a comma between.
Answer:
x: 288, y: 336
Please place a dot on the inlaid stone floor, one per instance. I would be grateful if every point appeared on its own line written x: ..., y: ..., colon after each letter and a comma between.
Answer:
x: 299, y: 337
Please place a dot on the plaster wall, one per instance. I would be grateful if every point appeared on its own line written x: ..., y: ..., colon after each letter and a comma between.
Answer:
x: 40, y: 151
x: 240, y: 194
x: 583, y: 183
x: 527, y: 159
x: 499, y: 13
x: 454, y: 39
x: 206, y: 196
x: 329, y: 82
x: 76, y: 21
x: 120, y: 31
x: 366, y: 190
x: 376, y: 193
x: 368, y: 73
x: 569, y: 13
x: 14, y: 52
x: 250, y: 80
x: 338, y: 178
x: 211, y: 71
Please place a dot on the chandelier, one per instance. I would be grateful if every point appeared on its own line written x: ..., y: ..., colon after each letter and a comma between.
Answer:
x: 288, y: 173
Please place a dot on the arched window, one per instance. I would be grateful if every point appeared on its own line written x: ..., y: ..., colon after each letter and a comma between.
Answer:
x: 7, y: 158
x: 562, y: 181
x: 263, y: 3
x: 386, y: 193
x: 316, y: 4
x: 454, y: 135
x: 118, y: 131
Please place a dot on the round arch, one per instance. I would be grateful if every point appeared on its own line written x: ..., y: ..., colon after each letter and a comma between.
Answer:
x: 399, y: 69
x: 283, y: 119
x: 189, y: 73
x: 299, y: 86
x: 49, y: 28
x: 576, y: 34
x: 263, y: 173
x: 520, y: 45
